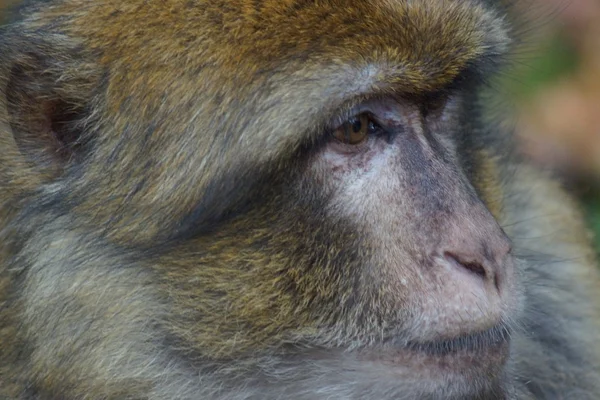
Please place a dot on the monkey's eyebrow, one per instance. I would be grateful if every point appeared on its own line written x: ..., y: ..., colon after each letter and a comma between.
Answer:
x: 468, y: 77
x: 381, y: 78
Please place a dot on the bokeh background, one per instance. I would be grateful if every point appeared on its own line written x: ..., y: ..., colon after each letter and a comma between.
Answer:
x: 554, y: 87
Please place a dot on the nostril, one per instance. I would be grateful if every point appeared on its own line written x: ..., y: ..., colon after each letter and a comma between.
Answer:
x: 474, y: 267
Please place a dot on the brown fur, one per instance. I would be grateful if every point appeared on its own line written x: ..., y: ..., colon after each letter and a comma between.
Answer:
x: 162, y: 238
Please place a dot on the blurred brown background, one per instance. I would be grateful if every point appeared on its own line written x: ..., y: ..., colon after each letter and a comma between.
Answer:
x: 555, y: 87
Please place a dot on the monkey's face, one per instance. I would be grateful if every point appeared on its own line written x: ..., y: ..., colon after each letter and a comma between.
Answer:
x: 303, y: 179
x: 360, y: 239
x: 374, y: 251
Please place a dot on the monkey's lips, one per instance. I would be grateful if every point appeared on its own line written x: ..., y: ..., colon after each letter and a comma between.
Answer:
x: 493, y: 339
x: 482, y: 352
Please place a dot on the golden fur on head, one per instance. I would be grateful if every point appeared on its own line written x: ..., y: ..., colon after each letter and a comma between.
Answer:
x: 215, y: 65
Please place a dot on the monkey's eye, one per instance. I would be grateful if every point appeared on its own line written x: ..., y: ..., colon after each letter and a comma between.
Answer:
x: 355, y: 130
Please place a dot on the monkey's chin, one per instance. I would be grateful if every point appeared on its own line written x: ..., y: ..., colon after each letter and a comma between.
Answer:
x: 478, y: 357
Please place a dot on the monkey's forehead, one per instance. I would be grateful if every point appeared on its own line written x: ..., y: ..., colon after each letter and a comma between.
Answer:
x: 419, y: 44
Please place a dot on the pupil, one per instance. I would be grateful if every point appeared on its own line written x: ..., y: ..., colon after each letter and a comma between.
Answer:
x: 356, y: 125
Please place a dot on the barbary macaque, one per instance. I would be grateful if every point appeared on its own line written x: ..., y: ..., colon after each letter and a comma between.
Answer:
x: 279, y: 199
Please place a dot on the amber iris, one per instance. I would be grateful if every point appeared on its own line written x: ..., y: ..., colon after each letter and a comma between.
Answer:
x: 355, y: 130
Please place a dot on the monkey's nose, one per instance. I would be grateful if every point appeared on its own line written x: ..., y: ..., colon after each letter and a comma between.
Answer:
x: 489, y: 262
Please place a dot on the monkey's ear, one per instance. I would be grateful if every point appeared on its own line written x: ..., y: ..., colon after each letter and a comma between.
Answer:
x: 46, y: 90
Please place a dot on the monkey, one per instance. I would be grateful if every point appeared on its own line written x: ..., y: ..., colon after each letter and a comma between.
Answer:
x: 284, y: 199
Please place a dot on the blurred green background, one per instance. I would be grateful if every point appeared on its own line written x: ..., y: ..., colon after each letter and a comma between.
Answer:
x: 555, y: 87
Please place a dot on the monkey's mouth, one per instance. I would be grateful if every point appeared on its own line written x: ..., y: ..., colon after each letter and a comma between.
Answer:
x: 495, y: 338
x: 483, y: 351
x: 455, y: 362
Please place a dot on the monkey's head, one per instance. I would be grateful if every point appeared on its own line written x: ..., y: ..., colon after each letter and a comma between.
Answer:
x: 307, y: 182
